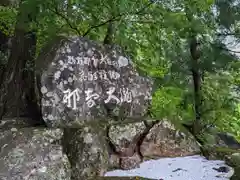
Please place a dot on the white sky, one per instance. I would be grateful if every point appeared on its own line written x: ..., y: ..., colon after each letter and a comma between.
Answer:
x: 233, y: 45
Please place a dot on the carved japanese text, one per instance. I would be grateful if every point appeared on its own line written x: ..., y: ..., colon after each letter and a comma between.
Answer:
x: 71, y: 98
x: 98, y: 75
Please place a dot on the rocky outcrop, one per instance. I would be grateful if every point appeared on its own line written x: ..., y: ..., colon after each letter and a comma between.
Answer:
x: 89, y: 93
x: 165, y: 140
x: 32, y: 153
x: 87, y: 151
x: 137, y: 142
x: 222, y: 145
x: 76, y: 153
x: 218, y: 145
x: 233, y: 160
x: 83, y: 81
x: 125, y: 137
x: 125, y: 140
x: 86, y: 87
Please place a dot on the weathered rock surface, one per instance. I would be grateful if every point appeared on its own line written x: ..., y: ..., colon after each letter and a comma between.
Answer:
x: 136, y: 142
x: 218, y: 145
x: 227, y: 140
x: 82, y: 80
x: 90, y: 151
x: 234, y: 161
x: 31, y: 154
x: 87, y: 151
x: 8, y: 123
x: 130, y: 162
x: 222, y: 145
x: 164, y: 140
x: 125, y: 137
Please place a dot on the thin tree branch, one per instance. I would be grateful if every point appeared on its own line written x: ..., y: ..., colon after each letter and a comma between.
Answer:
x: 227, y: 34
x: 231, y: 50
x: 226, y: 49
x: 66, y: 19
x: 116, y: 18
x: 144, y: 21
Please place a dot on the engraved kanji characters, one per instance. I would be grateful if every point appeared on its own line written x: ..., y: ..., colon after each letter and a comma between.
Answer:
x: 71, y: 96
x: 110, y: 92
x: 79, y: 60
x: 103, y: 59
x: 114, y: 75
x: 102, y: 75
x: 71, y: 60
x: 126, y: 95
x: 74, y: 96
x: 90, y: 96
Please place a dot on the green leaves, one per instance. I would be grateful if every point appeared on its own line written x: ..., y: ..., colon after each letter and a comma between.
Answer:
x: 7, y: 20
x: 155, y: 35
x: 166, y: 104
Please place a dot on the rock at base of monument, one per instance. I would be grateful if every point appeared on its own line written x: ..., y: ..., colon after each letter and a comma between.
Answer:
x: 83, y: 81
x: 128, y: 163
x: 166, y: 140
x: 8, y: 123
x: 228, y: 140
x: 30, y: 153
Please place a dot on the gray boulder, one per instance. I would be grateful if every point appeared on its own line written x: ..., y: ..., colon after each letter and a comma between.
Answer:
x: 87, y: 151
x: 32, y: 154
x: 165, y: 140
x: 82, y: 81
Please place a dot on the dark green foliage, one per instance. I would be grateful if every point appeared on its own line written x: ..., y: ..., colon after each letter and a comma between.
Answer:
x: 156, y: 36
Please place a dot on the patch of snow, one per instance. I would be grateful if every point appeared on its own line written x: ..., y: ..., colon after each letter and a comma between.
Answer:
x: 179, y: 168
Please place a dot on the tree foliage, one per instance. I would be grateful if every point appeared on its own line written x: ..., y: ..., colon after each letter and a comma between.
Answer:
x: 156, y: 35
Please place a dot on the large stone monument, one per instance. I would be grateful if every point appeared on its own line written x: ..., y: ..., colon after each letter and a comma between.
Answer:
x: 84, y: 81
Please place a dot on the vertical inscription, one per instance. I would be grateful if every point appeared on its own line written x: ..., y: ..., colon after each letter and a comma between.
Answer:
x: 72, y: 97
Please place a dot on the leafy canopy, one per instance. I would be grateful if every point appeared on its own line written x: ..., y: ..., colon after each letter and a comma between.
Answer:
x: 155, y: 35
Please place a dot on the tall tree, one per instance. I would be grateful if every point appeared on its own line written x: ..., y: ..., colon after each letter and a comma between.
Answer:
x: 18, y: 84
x: 162, y: 39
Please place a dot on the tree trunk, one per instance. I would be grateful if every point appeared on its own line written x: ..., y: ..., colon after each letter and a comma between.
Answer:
x: 110, y: 34
x: 3, y: 40
x: 111, y: 29
x: 4, y: 50
x: 17, y: 88
x: 195, y: 126
x: 195, y: 55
